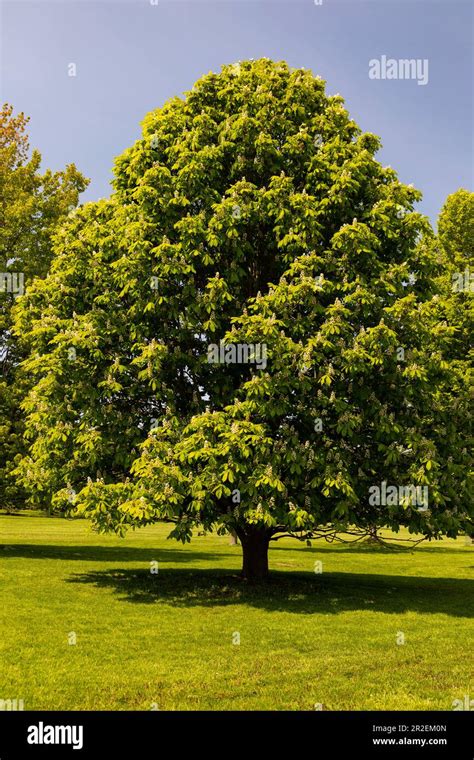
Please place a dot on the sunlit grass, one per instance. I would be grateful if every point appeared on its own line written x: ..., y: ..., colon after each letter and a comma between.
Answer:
x: 166, y: 640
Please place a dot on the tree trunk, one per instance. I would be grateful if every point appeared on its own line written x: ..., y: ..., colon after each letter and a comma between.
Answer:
x: 255, y: 553
x: 373, y: 534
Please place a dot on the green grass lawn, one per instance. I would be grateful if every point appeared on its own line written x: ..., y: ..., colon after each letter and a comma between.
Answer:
x: 305, y: 638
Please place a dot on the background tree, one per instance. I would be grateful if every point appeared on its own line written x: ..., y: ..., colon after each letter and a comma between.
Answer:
x: 456, y: 229
x: 450, y: 311
x: 250, y: 211
x: 455, y: 308
x: 31, y: 204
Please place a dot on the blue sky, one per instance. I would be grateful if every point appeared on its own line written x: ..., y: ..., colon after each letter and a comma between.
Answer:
x: 131, y: 56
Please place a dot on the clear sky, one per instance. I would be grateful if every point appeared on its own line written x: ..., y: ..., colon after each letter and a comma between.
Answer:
x: 132, y: 55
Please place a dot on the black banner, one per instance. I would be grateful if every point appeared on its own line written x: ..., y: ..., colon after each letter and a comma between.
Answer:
x: 137, y: 734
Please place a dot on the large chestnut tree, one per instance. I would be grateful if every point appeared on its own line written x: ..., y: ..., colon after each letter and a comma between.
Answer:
x: 251, y: 211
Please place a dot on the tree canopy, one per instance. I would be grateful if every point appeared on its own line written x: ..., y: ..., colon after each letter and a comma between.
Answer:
x: 31, y: 205
x: 251, y: 213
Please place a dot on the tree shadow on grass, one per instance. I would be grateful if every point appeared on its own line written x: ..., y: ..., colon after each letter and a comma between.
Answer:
x: 127, y: 553
x: 369, y: 547
x: 300, y: 593
x: 105, y: 553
